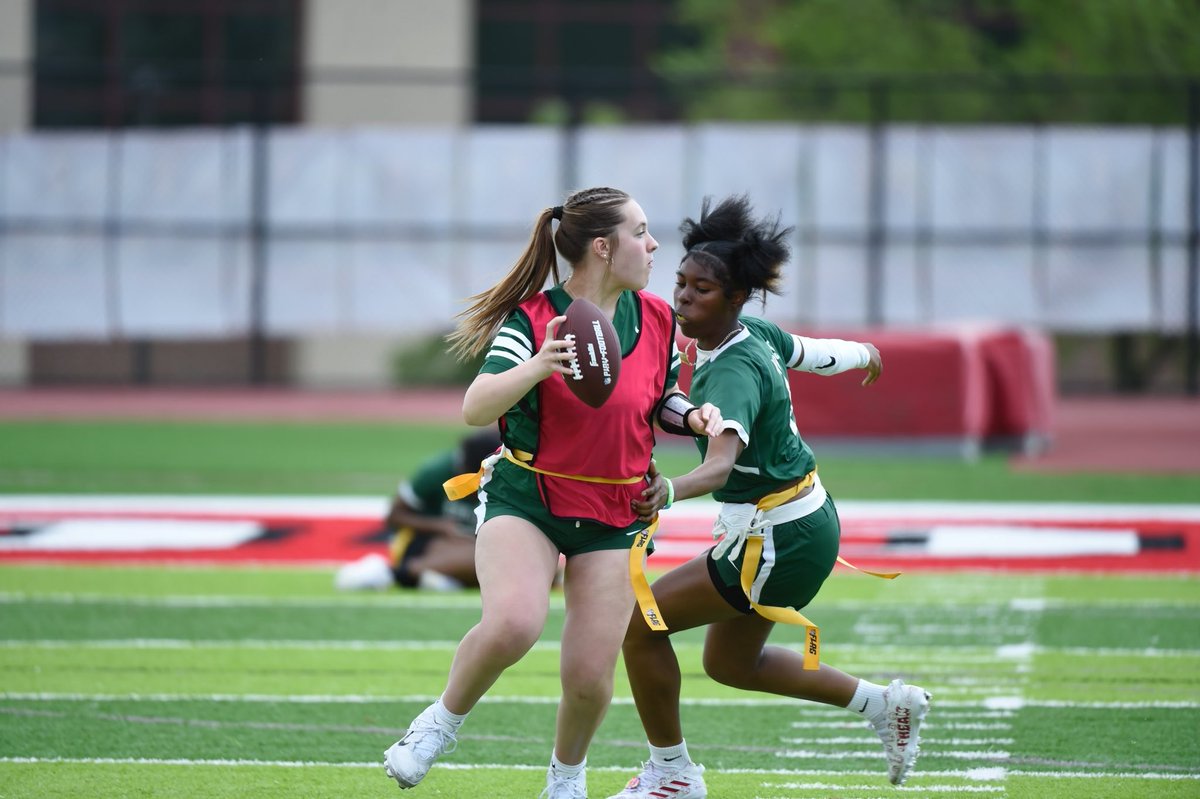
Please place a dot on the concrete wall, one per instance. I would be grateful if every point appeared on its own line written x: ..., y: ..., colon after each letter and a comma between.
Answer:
x: 343, y: 361
x: 16, y: 49
x: 16, y: 46
x: 349, y: 38
x: 14, y: 362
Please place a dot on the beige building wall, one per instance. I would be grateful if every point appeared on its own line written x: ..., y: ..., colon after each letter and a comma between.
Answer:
x: 16, y: 53
x: 347, y: 40
x: 348, y: 361
x: 14, y: 362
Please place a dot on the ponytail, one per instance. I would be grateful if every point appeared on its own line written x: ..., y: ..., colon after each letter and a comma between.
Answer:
x: 488, y: 309
x: 586, y: 214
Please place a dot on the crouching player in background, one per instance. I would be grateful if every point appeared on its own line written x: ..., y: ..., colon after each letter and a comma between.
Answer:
x: 433, y: 541
x: 780, y: 527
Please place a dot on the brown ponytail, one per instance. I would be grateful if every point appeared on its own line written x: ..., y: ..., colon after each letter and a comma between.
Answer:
x: 586, y: 214
x: 488, y: 309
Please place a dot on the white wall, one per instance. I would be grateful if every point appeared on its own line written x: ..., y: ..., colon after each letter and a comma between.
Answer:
x: 384, y: 231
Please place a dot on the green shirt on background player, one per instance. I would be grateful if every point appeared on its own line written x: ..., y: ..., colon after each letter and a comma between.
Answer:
x: 432, y: 544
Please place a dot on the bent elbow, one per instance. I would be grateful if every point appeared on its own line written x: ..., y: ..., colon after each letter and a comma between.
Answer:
x: 474, y: 418
x: 472, y: 413
x: 476, y: 413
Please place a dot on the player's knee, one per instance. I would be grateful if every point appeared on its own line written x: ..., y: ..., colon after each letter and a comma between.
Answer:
x: 639, y: 637
x: 512, y: 636
x: 726, y: 670
x: 588, y: 686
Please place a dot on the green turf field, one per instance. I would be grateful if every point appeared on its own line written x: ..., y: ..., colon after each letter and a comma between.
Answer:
x: 172, y: 682
x: 327, y: 458
x: 262, y: 682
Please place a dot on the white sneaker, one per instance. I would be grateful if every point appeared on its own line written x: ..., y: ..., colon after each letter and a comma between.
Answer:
x: 408, y: 760
x: 685, y: 782
x: 368, y: 573
x: 899, y: 727
x: 564, y: 787
x: 430, y: 580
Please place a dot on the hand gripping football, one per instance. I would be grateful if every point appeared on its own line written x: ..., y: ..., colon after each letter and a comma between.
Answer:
x: 597, y: 361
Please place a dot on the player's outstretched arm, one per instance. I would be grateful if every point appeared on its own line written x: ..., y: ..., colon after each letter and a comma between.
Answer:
x: 832, y: 356
x: 874, y: 366
x: 723, y: 451
x: 676, y: 414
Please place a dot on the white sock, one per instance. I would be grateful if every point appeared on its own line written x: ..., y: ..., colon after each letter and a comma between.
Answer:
x: 867, y: 700
x: 670, y: 756
x: 451, y: 721
x: 565, y: 771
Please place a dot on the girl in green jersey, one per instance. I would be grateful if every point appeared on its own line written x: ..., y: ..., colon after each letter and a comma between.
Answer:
x: 780, y: 527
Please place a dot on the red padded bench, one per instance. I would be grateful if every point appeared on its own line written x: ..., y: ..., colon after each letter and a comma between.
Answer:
x: 947, y: 391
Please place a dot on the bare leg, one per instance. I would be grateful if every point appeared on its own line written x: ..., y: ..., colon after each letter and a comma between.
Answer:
x: 736, y: 654
x: 687, y: 599
x: 516, y: 564
x: 451, y: 556
x: 599, y: 599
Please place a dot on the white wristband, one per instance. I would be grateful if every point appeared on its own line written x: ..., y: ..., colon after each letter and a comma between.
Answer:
x: 830, y: 356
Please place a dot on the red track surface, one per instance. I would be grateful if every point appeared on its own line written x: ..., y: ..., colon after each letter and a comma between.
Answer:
x: 1157, y: 434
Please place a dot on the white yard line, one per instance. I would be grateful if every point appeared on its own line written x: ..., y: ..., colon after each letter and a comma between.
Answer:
x: 981, y: 775
x: 964, y: 707
x: 948, y: 655
x: 470, y: 600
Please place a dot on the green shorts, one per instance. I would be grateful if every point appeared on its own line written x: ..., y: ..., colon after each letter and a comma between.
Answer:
x: 513, y: 491
x: 800, y: 555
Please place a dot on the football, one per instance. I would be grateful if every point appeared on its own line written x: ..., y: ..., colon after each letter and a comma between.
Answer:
x: 597, y: 361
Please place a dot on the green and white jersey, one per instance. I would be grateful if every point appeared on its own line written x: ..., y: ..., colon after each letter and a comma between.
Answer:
x: 423, y: 492
x: 513, y: 345
x: 747, y: 379
x: 779, y: 339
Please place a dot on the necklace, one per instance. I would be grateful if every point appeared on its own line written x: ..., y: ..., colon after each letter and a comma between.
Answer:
x: 725, y: 340
x: 683, y: 356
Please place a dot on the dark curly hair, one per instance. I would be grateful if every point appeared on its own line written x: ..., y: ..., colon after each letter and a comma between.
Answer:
x: 743, y: 253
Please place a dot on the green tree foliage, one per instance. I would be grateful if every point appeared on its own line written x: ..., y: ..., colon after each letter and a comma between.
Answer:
x: 941, y: 60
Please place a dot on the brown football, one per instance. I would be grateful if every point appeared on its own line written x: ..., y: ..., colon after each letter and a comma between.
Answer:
x: 597, y: 361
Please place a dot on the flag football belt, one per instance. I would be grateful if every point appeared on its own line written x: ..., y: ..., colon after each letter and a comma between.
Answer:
x: 464, y: 485
x: 400, y: 543
x: 750, y: 561
x: 637, y: 576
